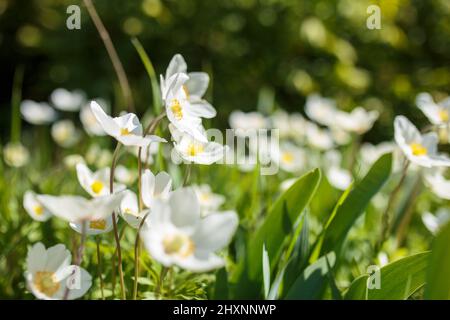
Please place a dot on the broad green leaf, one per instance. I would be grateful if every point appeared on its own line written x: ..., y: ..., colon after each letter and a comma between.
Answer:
x: 311, y: 283
x: 277, y: 225
x: 438, y: 279
x: 157, y: 105
x: 221, y: 285
x: 351, y: 206
x: 335, y: 292
x: 399, y: 280
x: 298, y: 255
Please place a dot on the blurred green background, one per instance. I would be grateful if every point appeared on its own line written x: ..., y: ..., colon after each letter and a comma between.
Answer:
x: 254, y: 50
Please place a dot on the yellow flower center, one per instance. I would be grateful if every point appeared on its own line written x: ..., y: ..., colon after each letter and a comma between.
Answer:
x: 124, y: 132
x: 287, y: 157
x: 38, y: 210
x: 176, y: 109
x: 418, y: 149
x: 443, y: 114
x: 178, y: 244
x: 204, y: 197
x: 194, y: 149
x: 98, y: 224
x: 97, y: 186
x: 46, y: 283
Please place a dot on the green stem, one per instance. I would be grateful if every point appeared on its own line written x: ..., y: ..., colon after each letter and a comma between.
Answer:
x: 137, y: 252
x: 112, y: 53
x: 160, y: 282
x: 16, y: 97
x: 116, y: 233
x: 79, y: 258
x: 187, y: 174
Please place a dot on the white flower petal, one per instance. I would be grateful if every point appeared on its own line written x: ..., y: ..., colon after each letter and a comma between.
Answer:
x: 37, y: 113
x: 108, y: 124
x: 176, y: 65
x: 36, y: 258
x: 202, y: 108
x: 58, y: 257
x: 216, y: 230
x: 197, y: 84
x: 34, y: 208
x: 201, y: 262
x: 185, y: 209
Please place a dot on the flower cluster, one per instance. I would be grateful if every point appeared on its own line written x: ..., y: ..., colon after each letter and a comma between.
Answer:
x: 180, y: 226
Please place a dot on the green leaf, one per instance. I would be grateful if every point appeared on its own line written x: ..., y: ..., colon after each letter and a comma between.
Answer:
x: 398, y: 280
x: 157, y: 104
x: 300, y: 252
x: 311, y: 283
x: 438, y: 280
x: 273, y: 232
x: 352, y: 205
x: 335, y: 292
x: 221, y: 285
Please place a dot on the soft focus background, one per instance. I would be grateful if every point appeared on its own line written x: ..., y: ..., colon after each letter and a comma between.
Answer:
x: 261, y: 55
x: 257, y: 51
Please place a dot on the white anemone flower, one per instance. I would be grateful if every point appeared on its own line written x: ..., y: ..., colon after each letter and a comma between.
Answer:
x: 72, y: 160
x: 194, y: 88
x: 318, y: 138
x: 435, y: 222
x: 129, y: 210
x: 340, y: 136
x: 155, y: 187
x: 297, y: 126
x: 196, y: 151
x: 322, y: 110
x: 126, y: 129
x: 248, y: 121
x: 37, y: 113
x: 419, y: 149
x: 437, y: 183
x: 208, y: 200
x: 98, y: 157
x: 96, y: 183
x: 79, y: 209
x: 65, y: 133
x: 49, y: 274
x: 289, y: 125
x: 339, y: 177
x: 34, y: 208
x: 94, y: 227
x: 66, y: 100
x: 437, y: 112
x: 358, y: 121
x: 175, y: 233
x: 15, y: 154
x: 184, y: 115
x: 289, y: 157
x: 89, y: 121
